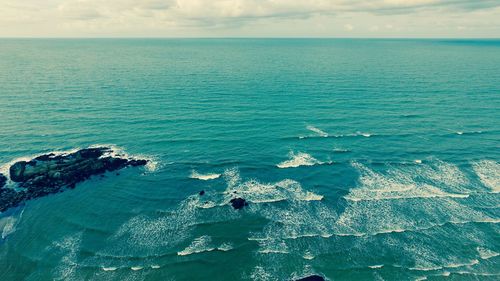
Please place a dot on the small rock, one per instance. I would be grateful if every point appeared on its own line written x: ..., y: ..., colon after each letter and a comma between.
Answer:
x: 312, y: 278
x: 238, y: 203
x: 202, y: 192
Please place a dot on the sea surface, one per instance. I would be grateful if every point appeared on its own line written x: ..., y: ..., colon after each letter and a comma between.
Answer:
x: 360, y: 159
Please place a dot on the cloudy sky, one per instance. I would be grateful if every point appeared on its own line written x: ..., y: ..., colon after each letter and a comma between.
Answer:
x: 250, y: 18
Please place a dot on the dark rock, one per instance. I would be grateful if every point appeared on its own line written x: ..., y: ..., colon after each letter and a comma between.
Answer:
x: 50, y: 173
x: 3, y: 180
x: 16, y: 171
x: 202, y: 192
x: 135, y: 163
x: 238, y: 203
x: 312, y: 278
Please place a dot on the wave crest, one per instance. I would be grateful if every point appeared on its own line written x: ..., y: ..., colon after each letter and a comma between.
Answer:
x: 299, y: 159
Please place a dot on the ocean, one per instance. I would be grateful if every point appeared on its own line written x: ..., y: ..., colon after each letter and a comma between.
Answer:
x: 361, y: 159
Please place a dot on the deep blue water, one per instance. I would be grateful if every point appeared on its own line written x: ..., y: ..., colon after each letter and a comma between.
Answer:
x: 361, y: 159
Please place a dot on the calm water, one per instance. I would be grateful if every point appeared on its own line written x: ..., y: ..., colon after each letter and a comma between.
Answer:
x: 361, y: 159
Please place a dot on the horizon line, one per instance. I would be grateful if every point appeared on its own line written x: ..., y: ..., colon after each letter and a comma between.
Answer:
x: 248, y: 37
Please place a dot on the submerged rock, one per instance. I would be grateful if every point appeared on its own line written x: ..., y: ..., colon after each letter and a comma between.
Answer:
x: 51, y: 173
x: 312, y: 278
x: 238, y: 203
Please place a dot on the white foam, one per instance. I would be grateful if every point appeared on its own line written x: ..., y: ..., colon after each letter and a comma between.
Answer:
x: 299, y: 159
x: 317, y: 131
x: 340, y: 150
x: 488, y: 172
x: 225, y: 247
x: 397, y: 184
x: 109, y: 268
x: 376, y: 266
x: 308, y: 255
x: 155, y: 266
x: 486, y: 253
x: 8, y: 224
x: 68, y: 248
x: 199, y: 245
x: 256, y: 192
x: 456, y: 265
x: 260, y: 274
x: 418, y: 161
x: 366, y: 135
x: 152, y: 164
x: 204, y: 177
x: 136, y: 268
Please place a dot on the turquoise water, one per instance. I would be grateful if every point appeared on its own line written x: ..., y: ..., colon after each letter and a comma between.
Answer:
x: 361, y: 159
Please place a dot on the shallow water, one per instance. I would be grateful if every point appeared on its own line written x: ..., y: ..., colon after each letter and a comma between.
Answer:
x: 361, y: 159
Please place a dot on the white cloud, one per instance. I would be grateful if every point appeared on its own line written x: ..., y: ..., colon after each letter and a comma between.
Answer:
x: 227, y: 17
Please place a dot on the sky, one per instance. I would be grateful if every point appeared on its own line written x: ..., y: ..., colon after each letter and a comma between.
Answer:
x: 251, y: 18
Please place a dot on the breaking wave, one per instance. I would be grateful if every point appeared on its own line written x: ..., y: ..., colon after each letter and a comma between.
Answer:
x: 299, y: 159
x: 489, y: 173
x: 204, y: 244
x: 486, y: 253
x: 319, y: 132
x: 399, y: 184
x: 195, y: 175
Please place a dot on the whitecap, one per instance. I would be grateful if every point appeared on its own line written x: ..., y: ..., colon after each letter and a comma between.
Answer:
x: 376, y: 266
x: 397, y: 184
x: 199, y: 245
x: 456, y: 265
x: 204, y: 177
x: 258, y: 193
x: 270, y: 251
x: 109, y: 268
x: 155, y: 266
x: 366, y: 135
x: 260, y: 274
x: 225, y: 247
x: 486, y: 253
x: 299, y: 159
x: 317, y: 131
x: 308, y: 255
x: 488, y: 172
x: 136, y: 268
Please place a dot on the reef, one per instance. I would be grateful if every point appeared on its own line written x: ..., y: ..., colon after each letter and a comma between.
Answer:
x: 51, y: 173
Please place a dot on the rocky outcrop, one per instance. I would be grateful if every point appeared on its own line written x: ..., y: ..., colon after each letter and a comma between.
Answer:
x: 51, y: 173
x: 3, y: 180
x: 238, y: 203
x: 312, y: 278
